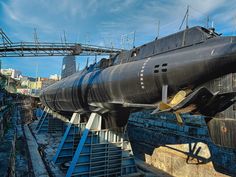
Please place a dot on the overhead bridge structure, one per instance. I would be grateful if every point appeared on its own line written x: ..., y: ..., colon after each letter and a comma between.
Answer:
x: 40, y: 49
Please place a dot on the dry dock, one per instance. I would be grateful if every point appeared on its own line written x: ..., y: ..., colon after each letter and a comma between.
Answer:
x: 161, y: 146
x: 159, y: 142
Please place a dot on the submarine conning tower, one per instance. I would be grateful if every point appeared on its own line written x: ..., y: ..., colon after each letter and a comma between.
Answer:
x: 180, y: 40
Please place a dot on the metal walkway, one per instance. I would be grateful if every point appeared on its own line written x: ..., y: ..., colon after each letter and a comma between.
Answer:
x: 39, y: 49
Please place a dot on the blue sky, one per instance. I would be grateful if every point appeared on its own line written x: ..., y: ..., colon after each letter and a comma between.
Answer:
x: 102, y: 22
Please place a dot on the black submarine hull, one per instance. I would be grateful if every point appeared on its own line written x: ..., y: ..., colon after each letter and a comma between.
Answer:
x: 141, y: 81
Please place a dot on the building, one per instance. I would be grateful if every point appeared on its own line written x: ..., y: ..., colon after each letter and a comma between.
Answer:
x: 33, y: 86
x: 46, y: 83
x: 55, y: 77
x: 13, y: 73
x: 26, y: 81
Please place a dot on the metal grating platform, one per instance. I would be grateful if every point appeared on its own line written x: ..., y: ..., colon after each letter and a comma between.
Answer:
x: 103, y: 155
x: 91, y: 151
x: 48, y: 123
x: 69, y: 143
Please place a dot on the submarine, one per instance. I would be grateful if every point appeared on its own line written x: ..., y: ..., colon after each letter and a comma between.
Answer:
x: 151, y: 76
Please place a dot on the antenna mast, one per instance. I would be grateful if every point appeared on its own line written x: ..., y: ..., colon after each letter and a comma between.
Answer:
x: 207, y: 22
x: 234, y: 24
x: 87, y: 62
x: 186, y: 18
x: 134, y: 40
x: 158, y: 29
x: 36, y: 39
x: 127, y: 40
x: 64, y: 36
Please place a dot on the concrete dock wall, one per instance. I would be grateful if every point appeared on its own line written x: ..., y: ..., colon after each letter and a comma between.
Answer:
x: 179, y: 150
x: 7, y: 147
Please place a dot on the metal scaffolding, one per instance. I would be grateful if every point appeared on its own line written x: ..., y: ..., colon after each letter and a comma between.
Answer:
x: 38, y: 49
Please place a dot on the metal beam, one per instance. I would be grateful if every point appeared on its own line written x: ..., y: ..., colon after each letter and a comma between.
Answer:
x: 40, y: 49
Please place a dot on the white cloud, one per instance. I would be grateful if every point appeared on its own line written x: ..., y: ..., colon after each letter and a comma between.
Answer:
x: 103, y: 22
x: 8, y: 11
x: 104, y: 17
x: 119, y: 6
